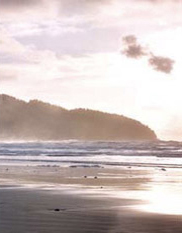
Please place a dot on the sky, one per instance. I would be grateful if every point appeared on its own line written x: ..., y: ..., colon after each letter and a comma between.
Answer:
x: 117, y: 56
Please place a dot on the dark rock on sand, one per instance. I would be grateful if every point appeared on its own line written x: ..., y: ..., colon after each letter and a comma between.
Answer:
x: 57, y: 209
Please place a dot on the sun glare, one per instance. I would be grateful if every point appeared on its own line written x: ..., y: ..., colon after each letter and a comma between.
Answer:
x: 164, y: 201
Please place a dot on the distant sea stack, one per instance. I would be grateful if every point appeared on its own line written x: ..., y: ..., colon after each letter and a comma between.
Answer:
x: 37, y: 120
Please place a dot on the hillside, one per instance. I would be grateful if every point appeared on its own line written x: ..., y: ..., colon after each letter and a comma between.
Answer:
x: 36, y: 120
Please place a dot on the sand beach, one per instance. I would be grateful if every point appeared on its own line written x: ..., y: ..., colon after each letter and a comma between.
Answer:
x: 52, y: 199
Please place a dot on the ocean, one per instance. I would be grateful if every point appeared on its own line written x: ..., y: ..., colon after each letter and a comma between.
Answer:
x: 92, y: 153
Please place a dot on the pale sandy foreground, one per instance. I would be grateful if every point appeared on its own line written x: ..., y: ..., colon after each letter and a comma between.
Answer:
x: 41, y: 199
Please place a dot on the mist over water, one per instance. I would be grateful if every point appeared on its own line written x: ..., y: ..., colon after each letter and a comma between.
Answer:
x: 93, y: 153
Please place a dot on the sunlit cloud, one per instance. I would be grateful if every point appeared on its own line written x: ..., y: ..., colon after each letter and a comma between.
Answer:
x: 9, y: 44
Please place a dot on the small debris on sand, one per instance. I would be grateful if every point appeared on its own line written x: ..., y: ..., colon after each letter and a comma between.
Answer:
x: 57, y: 209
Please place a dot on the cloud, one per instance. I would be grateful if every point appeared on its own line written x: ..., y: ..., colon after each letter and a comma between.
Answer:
x: 162, y: 64
x: 124, y: 14
x: 130, y: 40
x: 8, y: 44
x: 7, y: 78
x: 12, y: 11
x: 131, y: 47
x: 162, y: 1
x: 81, y: 6
x: 19, y: 3
x: 65, y: 7
x: 13, y: 51
x: 134, y: 51
x: 7, y: 74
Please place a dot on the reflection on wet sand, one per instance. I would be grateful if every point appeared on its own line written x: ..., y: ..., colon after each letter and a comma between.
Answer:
x: 164, y: 200
x: 71, y: 200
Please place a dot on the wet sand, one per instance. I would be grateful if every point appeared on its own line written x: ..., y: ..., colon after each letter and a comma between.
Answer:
x: 70, y: 200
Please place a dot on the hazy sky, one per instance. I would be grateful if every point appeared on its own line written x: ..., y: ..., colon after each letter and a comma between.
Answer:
x: 119, y: 56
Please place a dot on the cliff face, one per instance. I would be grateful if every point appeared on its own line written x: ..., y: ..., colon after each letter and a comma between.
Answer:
x: 37, y: 120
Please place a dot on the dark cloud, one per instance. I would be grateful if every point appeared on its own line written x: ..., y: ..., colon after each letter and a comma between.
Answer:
x: 131, y: 47
x: 162, y: 64
x: 134, y: 51
x: 130, y: 40
x: 18, y: 3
